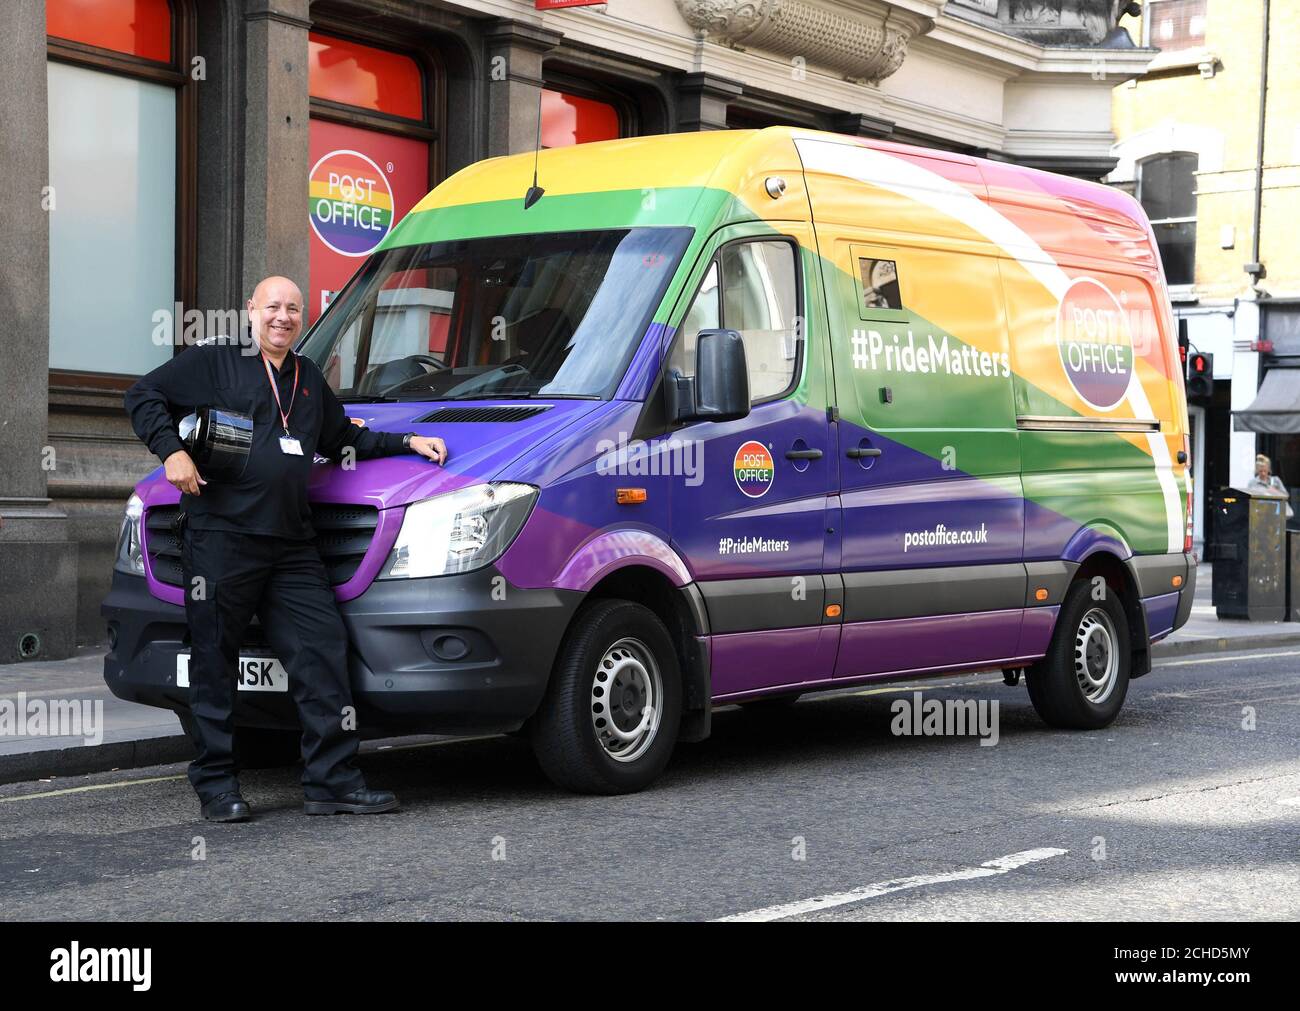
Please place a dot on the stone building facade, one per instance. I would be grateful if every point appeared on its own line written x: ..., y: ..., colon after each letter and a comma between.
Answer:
x: 161, y: 156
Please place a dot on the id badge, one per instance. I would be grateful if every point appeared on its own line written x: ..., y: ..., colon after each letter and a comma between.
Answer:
x: 290, y: 446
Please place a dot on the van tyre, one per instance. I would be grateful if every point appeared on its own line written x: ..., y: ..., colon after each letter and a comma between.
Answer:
x: 1082, y: 681
x: 610, y: 717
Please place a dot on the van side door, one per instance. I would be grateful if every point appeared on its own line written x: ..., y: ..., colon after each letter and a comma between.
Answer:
x: 752, y: 525
x: 933, y: 513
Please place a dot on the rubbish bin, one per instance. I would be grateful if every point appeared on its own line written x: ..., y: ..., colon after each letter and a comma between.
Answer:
x: 1293, y: 575
x: 1249, y: 555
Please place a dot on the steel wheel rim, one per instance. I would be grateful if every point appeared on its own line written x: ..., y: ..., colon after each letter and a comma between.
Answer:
x: 1096, y: 660
x: 627, y: 691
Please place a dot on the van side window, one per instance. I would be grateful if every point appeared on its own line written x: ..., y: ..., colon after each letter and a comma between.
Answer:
x: 752, y: 287
x: 705, y: 314
x: 879, y: 284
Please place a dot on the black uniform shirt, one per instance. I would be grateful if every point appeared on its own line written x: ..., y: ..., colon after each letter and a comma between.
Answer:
x: 271, y: 495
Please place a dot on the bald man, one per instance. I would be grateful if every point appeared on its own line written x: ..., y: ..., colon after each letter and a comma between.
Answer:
x: 247, y: 547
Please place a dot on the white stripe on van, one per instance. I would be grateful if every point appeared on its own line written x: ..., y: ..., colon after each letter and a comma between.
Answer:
x: 876, y: 168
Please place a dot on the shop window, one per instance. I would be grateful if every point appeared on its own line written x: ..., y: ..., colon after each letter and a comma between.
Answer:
x: 1167, y: 190
x: 140, y: 28
x: 1172, y: 25
x: 121, y: 115
x: 113, y: 228
x: 370, y: 154
x: 364, y: 77
x: 569, y: 119
x: 751, y: 287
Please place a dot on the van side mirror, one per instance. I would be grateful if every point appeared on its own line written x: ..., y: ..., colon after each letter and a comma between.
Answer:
x: 719, y: 390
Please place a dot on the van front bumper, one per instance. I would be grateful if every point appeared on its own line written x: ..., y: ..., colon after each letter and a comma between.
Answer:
x: 453, y: 654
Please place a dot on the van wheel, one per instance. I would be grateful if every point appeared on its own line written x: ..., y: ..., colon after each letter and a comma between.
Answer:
x: 610, y: 717
x: 1081, y: 683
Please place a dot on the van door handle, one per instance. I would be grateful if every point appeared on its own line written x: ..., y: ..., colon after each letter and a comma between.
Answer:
x: 803, y: 454
x: 858, y: 452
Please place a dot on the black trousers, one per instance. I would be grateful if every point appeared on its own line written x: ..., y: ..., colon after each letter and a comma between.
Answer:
x: 229, y: 577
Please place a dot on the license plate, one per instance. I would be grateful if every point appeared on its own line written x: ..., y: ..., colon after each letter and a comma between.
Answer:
x: 256, y: 674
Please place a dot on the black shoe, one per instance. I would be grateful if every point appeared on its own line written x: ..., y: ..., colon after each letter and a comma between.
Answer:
x: 361, y: 801
x: 227, y: 807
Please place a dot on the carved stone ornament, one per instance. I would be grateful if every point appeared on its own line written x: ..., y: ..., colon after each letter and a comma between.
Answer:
x: 863, y: 40
x: 1065, y: 22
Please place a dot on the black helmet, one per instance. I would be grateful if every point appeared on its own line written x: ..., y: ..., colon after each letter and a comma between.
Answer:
x: 219, y: 441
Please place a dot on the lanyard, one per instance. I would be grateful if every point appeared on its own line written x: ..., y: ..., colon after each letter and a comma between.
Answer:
x: 284, y: 415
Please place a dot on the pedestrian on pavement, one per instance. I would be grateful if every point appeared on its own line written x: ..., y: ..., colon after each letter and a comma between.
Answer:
x: 1265, y: 482
x: 247, y: 546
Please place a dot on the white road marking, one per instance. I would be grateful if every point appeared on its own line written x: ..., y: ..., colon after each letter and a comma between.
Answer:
x: 83, y: 789
x: 1225, y: 659
x: 988, y: 869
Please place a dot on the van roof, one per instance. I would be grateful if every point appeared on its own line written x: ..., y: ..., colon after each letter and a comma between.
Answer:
x: 680, y: 167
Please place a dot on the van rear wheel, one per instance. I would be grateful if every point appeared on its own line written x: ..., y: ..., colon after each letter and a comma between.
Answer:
x: 610, y: 717
x: 1082, y: 681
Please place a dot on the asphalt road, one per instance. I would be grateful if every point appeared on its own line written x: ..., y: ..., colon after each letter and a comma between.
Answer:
x: 1177, y: 811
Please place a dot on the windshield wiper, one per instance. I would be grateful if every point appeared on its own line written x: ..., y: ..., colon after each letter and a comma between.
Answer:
x: 367, y: 398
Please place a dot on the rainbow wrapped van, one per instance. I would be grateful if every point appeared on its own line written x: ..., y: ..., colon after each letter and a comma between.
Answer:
x: 733, y: 417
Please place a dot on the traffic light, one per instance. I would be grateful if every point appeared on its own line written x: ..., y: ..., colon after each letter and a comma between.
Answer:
x: 1184, y: 344
x: 1200, y: 374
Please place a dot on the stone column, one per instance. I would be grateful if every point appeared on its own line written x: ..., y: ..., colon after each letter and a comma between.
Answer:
x: 38, y: 563
x: 515, y: 53
x: 276, y: 111
x: 702, y: 101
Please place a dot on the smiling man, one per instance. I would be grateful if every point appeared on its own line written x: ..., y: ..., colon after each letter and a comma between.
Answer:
x: 247, y: 547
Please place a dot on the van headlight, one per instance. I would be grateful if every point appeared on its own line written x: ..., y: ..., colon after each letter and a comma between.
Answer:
x: 459, y: 531
x: 129, y: 558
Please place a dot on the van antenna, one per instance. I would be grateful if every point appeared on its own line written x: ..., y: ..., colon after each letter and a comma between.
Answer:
x: 535, y: 192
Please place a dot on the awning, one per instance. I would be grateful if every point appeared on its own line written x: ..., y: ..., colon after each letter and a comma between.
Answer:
x: 1277, y: 405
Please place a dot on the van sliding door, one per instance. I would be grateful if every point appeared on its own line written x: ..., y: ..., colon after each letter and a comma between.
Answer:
x: 933, y: 517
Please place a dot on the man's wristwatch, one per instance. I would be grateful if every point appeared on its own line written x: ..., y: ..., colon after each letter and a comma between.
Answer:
x: 406, y: 440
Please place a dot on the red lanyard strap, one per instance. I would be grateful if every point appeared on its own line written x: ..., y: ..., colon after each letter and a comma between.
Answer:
x: 284, y: 415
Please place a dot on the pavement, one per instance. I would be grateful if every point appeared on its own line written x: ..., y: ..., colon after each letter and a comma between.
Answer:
x: 1187, y: 808
x: 134, y: 736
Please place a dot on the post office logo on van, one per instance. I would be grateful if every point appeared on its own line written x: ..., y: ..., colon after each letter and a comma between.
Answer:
x: 754, y: 469
x: 351, y: 202
x: 1096, y: 346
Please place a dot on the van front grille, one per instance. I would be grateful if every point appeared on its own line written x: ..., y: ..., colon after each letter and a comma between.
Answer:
x: 343, y: 535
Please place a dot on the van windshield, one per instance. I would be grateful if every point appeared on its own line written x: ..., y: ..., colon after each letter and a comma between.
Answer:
x: 554, y: 315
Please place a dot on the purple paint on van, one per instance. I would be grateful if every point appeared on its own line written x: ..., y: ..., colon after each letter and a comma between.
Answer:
x: 1036, y: 632
x: 884, y: 647
x: 750, y: 661
x: 1161, y: 612
x: 644, y: 370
